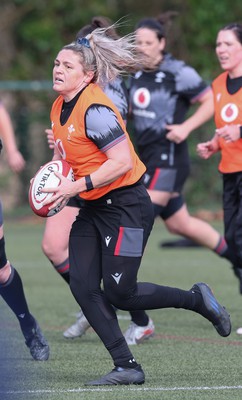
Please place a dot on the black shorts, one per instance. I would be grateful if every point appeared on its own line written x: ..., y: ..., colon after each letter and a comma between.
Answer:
x: 75, y: 201
x: 232, y: 206
x: 166, y: 179
x: 121, y: 221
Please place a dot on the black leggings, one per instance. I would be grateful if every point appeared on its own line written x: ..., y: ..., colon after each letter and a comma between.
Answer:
x: 107, y: 241
x: 232, y: 205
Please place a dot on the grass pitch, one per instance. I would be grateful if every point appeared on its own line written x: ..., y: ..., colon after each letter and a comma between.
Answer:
x: 185, y: 360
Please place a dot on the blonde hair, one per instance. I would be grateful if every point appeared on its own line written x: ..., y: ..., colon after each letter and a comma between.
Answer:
x: 105, y: 56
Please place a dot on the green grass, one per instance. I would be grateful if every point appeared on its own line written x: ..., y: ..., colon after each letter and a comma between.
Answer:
x: 185, y: 360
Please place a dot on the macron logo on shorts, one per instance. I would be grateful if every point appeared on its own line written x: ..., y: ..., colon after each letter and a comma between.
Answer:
x: 117, y: 277
x: 107, y: 240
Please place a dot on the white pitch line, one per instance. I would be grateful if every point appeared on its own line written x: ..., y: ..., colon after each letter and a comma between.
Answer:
x: 131, y: 389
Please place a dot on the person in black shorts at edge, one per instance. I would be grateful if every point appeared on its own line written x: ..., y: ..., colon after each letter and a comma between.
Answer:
x: 11, y: 287
x: 227, y: 139
x: 160, y: 96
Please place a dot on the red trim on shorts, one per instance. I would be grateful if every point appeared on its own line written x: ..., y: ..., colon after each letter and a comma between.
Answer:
x: 154, y: 179
x: 119, y: 241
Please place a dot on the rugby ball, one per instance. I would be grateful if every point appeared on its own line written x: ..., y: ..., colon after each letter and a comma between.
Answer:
x: 46, y: 178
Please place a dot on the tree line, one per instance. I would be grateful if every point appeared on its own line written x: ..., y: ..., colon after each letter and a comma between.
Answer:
x: 33, y: 31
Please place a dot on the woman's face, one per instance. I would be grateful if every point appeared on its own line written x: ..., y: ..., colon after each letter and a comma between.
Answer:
x: 229, y: 53
x: 68, y: 75
x: 149, y: 45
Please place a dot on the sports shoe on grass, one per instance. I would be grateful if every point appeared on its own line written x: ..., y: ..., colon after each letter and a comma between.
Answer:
x: 78, y: 328
x: 136, y: 334
x: 121, y: 376
x: 37, y: 344
x: 215, y: 313
x: 238, y: 274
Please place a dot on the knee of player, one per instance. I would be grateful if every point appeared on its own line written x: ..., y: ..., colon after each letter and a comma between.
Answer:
x: 79, y: 288
x: 118, y: 297
x: 175, y: 216
x: 176, y: 229
x: 5, y: 273
x: 46, y: 248
x: 51, y: 250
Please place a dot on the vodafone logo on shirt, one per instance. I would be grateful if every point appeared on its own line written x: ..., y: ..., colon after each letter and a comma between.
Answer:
x: 229, y: 112
x: 142, y: 98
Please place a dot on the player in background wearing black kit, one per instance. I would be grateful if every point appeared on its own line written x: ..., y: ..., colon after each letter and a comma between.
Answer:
x: 11, y: 287
x: 160, y: 96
